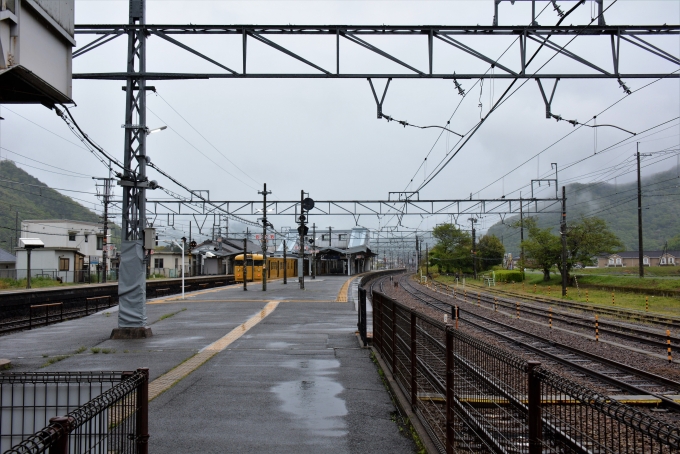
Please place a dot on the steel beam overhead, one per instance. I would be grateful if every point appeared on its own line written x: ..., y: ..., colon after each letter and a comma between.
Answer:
x: 355, y: 207
x: 358, y: 35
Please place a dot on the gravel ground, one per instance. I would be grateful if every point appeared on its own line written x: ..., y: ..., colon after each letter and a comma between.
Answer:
x: 638, y: 360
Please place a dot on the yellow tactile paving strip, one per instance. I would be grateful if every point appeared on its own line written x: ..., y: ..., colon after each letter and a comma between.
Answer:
x: 342, y: 294
x: 169, y: 379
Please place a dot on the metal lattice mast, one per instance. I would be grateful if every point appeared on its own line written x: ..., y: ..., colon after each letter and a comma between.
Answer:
x: 134, y: 195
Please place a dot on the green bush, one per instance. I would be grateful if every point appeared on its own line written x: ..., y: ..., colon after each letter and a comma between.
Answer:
x: 508, y: 276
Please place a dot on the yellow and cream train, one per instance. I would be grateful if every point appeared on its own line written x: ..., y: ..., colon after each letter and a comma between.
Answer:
x: 275, y: 268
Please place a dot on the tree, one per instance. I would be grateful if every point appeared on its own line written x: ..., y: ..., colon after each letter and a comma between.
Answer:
x: 542, y: 249
x: 586, y: 238
x: 452, y: 250
x: 490, y: 251
x: 674, y: 243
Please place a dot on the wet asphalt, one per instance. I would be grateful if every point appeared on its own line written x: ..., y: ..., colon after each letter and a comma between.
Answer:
x: 296, y: 382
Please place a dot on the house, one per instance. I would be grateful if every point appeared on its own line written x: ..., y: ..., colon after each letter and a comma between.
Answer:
x: 168, y: 263
x: 7, y: 264
x: 73, y: 249
x: 213, y: 257
x: 632, y: 259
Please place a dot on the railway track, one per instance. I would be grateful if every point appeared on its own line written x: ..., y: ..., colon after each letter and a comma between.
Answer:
x: 652, y: 337
x: 618, y: 379
x: 668, y: 321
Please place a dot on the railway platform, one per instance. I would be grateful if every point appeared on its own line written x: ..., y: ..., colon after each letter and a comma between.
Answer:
x: 238, y: 371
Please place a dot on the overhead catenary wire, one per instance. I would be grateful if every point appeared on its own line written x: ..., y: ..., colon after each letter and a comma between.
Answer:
x: 502, y: 98
x: 204, y: 138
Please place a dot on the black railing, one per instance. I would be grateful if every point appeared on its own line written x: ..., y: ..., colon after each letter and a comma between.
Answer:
x: 87, y: 412
x: 474, y: 397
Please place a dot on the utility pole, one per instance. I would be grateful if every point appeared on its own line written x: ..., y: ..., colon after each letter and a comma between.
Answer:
x: 314, y: 250
x: 417, y: 255
x: 244, y: 268
x: 521, y: 233
x: 563, y: 234
x: 264, y: 193
x: 427, y: 260
x: 329, y: 236
x: 285, y: 264
x: 639, y: 197
x: 474, y: 247
x: 106, y: 195
x: 191, y: 268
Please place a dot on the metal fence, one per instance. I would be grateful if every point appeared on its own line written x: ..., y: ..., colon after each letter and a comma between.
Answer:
x: 77, y: 412
x: 474, y: 397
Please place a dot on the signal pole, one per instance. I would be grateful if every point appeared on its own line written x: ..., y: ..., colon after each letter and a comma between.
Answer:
x: 264, y: 193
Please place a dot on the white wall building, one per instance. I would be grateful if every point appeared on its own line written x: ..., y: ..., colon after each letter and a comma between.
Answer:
x: 71, y: 247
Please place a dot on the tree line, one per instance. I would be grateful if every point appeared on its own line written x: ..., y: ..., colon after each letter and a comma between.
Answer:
x: 586, y: 239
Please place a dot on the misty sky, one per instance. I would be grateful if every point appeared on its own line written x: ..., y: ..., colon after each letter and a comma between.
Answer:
x: 323, y: 135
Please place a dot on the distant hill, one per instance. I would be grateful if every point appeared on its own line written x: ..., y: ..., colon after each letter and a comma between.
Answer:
x: 32, y: 202
x: 618, y: 206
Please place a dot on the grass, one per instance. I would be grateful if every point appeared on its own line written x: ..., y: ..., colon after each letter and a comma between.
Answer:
x: 657, y: 271
x: 80, y: 350
x: 534, y: 285
x: 106, y: 351
x: 164, y: 316
x: 55, y: 359
x: 36, y: 282
x: 95, y: 350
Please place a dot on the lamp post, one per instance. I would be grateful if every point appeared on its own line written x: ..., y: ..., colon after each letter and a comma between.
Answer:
x: 29, y: 244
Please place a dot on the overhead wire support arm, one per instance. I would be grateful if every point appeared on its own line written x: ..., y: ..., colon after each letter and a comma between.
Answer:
x: 379, y: 105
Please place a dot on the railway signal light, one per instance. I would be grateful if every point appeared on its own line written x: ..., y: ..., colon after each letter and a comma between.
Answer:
x: 303, y: 229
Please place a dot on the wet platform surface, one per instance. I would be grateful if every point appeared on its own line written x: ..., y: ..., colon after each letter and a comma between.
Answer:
x: 296, y: 381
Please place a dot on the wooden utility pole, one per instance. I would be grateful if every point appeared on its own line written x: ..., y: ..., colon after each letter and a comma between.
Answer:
x: 264, y: 193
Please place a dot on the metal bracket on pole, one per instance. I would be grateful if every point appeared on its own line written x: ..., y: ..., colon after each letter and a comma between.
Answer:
x: 548, y: 103
x: 379, y: 104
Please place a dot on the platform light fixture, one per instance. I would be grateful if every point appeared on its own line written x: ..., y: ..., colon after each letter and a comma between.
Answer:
x: 152, y: 131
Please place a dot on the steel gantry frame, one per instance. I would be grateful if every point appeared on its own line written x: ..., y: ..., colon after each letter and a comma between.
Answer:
x: 132, y: 312
x: 453, y: 36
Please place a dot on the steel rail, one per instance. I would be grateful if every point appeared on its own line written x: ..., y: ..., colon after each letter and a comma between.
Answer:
x: 619, y: 312
x: 437, y: 304
x: 581, y: 322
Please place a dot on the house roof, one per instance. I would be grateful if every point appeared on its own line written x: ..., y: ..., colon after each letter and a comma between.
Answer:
x: 635, y: 254
x: 6, y: 257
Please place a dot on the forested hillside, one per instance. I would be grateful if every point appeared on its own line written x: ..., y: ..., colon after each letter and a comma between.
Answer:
x: 32, y: 202
x: 617, y: 205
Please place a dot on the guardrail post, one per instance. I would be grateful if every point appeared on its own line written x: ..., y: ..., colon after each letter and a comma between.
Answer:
x: 414, y: 354
x: 61, y: 444
x: 534, y: 407
x: 142, y: 439
x: 449, y: 392
x: 362, y: 316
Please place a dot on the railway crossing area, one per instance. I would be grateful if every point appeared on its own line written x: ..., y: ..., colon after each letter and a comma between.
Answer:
x: 235, y: 371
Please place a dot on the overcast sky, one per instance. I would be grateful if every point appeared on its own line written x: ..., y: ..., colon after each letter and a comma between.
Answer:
x: 323, y: 136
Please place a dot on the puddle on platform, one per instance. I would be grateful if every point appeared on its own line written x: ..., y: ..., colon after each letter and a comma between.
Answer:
x: 313, y: 399
x: 279, y: 345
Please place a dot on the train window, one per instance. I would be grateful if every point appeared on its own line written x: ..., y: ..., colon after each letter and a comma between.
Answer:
x: 259, y: 262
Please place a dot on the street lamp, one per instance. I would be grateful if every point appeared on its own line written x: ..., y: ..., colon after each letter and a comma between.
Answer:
x: 29, y: 244
x: 155, y: 130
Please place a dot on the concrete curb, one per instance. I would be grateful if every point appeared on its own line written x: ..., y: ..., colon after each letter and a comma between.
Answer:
x: 405, y: 406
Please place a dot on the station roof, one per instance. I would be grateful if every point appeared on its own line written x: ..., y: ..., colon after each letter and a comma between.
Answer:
x: 19, y: 85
